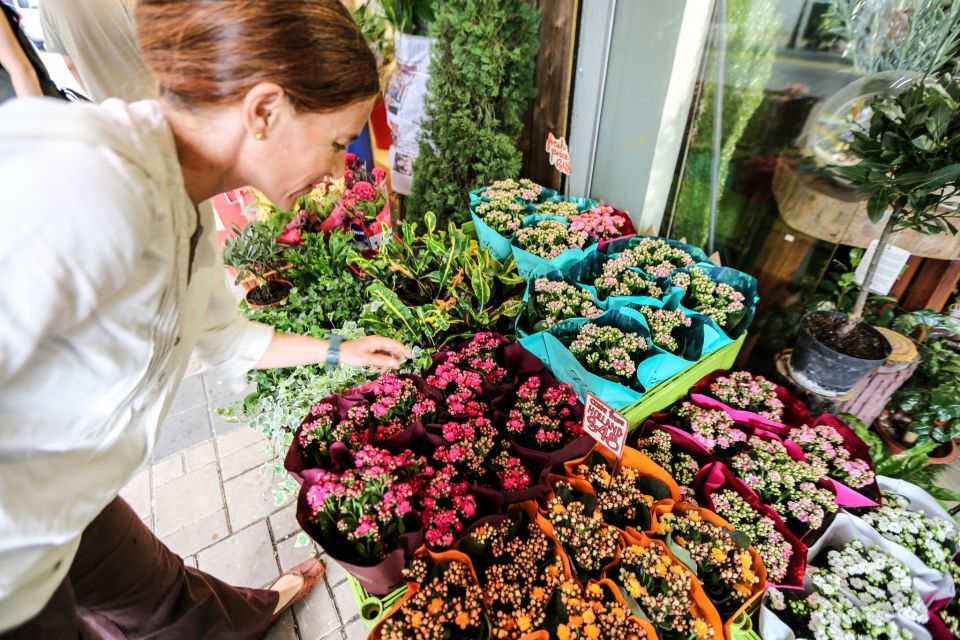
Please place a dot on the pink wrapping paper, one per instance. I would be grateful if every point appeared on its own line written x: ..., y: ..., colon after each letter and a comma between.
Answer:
x: 795, y: 412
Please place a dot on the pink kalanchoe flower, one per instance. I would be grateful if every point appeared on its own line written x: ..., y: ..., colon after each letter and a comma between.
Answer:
x: 364, y: 191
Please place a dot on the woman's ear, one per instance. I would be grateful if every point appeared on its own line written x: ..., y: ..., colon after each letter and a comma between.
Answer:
x: 262, y: 109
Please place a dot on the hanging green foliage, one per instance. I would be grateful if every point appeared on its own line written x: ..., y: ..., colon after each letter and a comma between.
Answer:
x: 481, y: 82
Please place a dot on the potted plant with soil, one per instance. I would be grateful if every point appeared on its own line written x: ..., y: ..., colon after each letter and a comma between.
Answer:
x: 256, y: 256
x: 927, y: 407
x: 909, y: 168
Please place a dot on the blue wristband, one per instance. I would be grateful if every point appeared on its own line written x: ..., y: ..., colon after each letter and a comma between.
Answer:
x: 333, y: 351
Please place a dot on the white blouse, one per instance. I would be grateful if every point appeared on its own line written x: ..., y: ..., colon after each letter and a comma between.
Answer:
x: 100, y: 308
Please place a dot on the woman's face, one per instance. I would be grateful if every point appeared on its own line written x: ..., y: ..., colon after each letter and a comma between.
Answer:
x: 301, y: 149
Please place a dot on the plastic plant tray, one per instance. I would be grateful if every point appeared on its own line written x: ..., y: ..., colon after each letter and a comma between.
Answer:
x: 373, y: 608
x: 669, y: 391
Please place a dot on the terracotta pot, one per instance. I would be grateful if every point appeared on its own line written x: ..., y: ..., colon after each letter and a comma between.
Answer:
x: 897, y: 447
x: 275, y: 303
x: 251, y: 281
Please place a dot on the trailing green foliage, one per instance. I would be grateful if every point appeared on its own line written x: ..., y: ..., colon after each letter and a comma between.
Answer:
x: 910, y: 465
x: 433, y: 287
x: 930, y: 398
x: 481, y: 82
x: 409, y: 16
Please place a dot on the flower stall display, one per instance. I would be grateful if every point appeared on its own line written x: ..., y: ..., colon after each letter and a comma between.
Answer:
x: 667, y: 592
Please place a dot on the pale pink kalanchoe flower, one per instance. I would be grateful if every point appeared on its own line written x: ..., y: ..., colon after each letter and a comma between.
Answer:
x: 558, y: 300
x: 743, y: 390
x: 608, y: 351
x: 550, y: 238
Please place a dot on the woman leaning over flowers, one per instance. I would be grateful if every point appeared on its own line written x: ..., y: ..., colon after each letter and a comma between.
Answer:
x: 111, y: 285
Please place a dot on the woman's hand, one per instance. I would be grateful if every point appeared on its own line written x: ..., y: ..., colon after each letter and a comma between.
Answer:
x: 374, y: 351
x: 370, y: 351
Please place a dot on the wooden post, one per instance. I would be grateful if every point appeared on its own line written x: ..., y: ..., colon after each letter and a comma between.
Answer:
x: 934, y: 285
x: 778, y: 261
x: 903, y: 282
x: 553, y: 77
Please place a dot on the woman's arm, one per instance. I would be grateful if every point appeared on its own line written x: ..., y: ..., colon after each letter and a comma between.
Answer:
x: 15, y: 61
x: 287, y: 350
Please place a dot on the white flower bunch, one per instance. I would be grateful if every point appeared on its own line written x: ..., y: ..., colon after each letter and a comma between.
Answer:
x: 933, y: 540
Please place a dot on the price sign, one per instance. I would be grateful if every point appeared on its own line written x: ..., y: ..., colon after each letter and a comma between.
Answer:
x: 605, y: 424
x: 559, y: 153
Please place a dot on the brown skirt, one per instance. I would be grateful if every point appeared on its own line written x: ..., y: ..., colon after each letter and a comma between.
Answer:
x: 125, y: 583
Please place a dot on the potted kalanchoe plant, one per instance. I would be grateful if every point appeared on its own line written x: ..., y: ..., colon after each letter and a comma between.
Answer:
x: 609, y: 352
x: 562, y: 209
x: 524, y: 190
x: 447, y: 505
x: 719, y: 301
x: 663, y: 589
x: 788, y: 485
x: 550, y: 238
x: 544, y: 417
x: 666, y: 326
x: 503, y: 215
x: 624, y: 495
x: 824, y: 448
x: 773, y: 548
x: 519, y: 571
x: 722, y: 557
x: 681, y: 466
x: 589, y: 542
x: 908, y: 168
x: 591, y: 613
x: 861, y: 593
x: 553, y: 301
x: 447, y: 604
x: 603, y: 222
x: 714, y: 429
x: 617, y: 278
x: 748, y: 392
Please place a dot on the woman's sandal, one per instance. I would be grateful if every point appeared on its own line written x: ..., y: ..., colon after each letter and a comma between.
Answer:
x: 294, y: 585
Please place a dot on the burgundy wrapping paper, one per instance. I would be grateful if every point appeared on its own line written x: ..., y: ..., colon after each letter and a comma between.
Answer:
x: 718, y: 477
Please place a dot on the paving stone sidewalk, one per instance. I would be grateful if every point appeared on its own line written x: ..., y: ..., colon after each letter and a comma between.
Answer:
x: 205, y: 497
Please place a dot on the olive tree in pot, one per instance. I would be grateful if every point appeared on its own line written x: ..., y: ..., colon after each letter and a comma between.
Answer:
x: 256, y: 256
x: 909, y: 166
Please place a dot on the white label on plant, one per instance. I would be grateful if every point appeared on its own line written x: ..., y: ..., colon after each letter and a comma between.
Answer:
x: 891, y: 264
x: 606, y: 425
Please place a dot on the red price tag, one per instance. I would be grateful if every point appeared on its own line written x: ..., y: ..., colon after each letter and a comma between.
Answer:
x: 605, y: 424
x: 559, y: 153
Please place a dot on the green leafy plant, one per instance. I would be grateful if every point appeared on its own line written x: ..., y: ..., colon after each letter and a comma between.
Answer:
x: 481, y: 82
x: 903, y: 35
x: 908, y: 165
x: 372, y: 20
x: 928, y: 404
x: 433, y: 287
x: 253, y: 252
x: 910, y: 465
x: 409, y: 16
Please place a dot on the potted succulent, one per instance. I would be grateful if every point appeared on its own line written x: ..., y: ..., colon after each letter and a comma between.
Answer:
x: 909, y: 168
x: 927, y: 407
x: 255, y: 255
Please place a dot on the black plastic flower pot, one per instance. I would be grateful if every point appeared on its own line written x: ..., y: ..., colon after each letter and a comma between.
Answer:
x: 825, y: 370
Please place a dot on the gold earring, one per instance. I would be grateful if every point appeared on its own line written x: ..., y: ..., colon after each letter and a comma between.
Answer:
x: 258, y: 135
